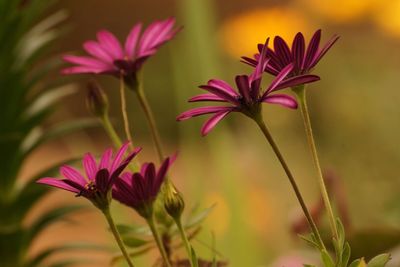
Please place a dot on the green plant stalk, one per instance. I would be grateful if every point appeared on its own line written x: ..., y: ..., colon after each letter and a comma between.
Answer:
x: 124, y: 112
x: 144, y: 104
x: 117, y: 236
x: 157, y: 237
x: 185, y: 241
x: 260, y: 122
x: 109, y: 128
x: 301, y: 96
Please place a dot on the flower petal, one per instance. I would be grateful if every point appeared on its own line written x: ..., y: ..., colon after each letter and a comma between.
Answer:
x: 132, y: 40
x: 57, y: 183
x: 207, y: 97
x: 312, y: 49
x: 282, y: 50
x: 224, y: 86
x: 323, y: 51
x: 221, y: 93
x: 212, y: 122
x: 102, y: 181
x: 85, y: 61
x: 298, y: 50
x: 93, y: 48
x: 118, y: 157
x: 278, y: 79
x: 106, y: 159
x: 281, y: 99
x: 72, y: 174
x: 242, y: 83
x: 89, y: 164
x: 110, y: 44
x: 297, y: 80
x: 201, y: 111
x: 81, y: 70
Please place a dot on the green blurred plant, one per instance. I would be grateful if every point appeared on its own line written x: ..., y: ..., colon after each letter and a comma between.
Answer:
x: 27, y: 100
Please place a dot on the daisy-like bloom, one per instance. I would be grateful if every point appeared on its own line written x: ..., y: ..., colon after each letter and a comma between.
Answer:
x: 97, y: 184
x: 107, y: 56
x: 303, y: 60
x: 249, y: 97
x: 139, y: 190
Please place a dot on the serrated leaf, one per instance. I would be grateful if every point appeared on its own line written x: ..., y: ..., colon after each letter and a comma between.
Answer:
x: 379, y: 261
x: 134, y: 242
x: 326, y: 259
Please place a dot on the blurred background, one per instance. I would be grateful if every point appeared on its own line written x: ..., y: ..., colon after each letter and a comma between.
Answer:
x: 354, y: 110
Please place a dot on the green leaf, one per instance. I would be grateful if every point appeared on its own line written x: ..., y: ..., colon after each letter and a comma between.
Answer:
x: 358, y: 263
x: 341, y: 233
x: 326, y: 259
x: 346, y: 254
x: 50, y: 217
x: 379, y: 261
x: 134, y: 242
x: 194, y: 257
x: 197, y: 219
x: 310, y: 241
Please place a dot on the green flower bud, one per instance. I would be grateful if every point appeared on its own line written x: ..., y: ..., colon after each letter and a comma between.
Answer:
x: 96, y: 100
x: 173, y: 201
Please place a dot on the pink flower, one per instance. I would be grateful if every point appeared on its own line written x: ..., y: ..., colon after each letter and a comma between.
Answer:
x: 304, y: 60
x: 107, y: 56
x: 140, y: 189
x: 99, y: 177
x: 248, y: 98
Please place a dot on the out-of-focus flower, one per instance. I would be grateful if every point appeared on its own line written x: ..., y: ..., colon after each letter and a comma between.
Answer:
x: 99, y: 177
x: 240, y: 32
x: 107, y: 56
x: 387, y: 16
x: 140, y: 189
x: 250, y: 96
x: 342, y: 11
x: 303, y: 60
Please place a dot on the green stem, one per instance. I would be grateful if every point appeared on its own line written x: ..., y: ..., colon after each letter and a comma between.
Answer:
x: 124, y: 112
x: 185, y: 240
x: 268, y: 136
x: 117, y: 236
x: 109, y: 128
x: 157, y: 237
x: 310, y: 138
x: 144, y: 104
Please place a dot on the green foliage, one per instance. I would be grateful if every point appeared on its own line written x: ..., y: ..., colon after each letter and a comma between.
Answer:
x: 27, y: 99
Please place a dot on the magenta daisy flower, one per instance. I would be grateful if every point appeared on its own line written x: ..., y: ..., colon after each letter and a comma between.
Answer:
x: 249, y: 97
x: 140, y: 189
x: 99, y: 177
x: 107, y: 56
x: 303, y: 60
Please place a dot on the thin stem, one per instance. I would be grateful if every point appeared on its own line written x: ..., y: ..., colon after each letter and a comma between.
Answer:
x: 157, y: 237
x: 124, y: 112
x: 144, y: 104
x: 109, y: 128
x: 185, y: 240
x: 296, y: 189
x: 310, y: 138
x: 117, y: 236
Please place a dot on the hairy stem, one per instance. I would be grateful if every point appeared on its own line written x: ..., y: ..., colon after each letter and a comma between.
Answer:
x: 117, y: 236
x: 157, y: 237
x: 301, y: 96
x: 268, y: 136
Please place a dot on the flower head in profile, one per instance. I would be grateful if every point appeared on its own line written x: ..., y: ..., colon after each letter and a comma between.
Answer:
x: 98, y: 179
x: 303, y: 60
x: 139, y: 190
x: 249, y: 97
x: 107, y: 56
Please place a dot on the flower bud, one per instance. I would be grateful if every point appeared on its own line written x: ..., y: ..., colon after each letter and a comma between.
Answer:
x: 173, y: 201
x: 96, y: 100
